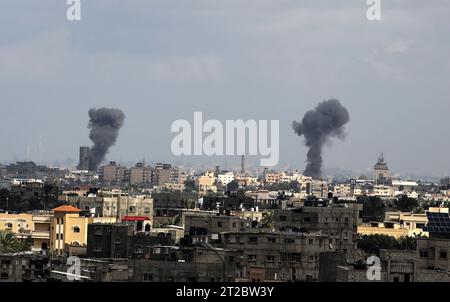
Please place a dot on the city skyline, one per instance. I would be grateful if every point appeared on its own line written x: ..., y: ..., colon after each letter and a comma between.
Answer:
x: 230, y: 60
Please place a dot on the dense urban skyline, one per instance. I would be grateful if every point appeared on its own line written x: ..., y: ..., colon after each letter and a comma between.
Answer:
x: 231, y: 60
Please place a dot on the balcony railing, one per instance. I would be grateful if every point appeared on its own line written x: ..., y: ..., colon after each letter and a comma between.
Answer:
x: 41, y: 234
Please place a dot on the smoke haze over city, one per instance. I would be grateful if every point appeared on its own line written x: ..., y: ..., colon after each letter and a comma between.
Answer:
x: 230, y: 60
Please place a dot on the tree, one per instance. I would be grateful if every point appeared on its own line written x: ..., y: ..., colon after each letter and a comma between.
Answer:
x: 4, y: 196
x: 189, y: 204
x: 9, y: 243
x: 232, y: 186
x: 373, y: 243
x: 267, y: 220
x: 406, y: 204
x: 175, y: 220
x: 373, y: 208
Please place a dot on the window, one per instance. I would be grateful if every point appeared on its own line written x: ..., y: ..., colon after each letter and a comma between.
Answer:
x: 443, y: 254
x: 98, y: 248
x: 147, y: 277
x: 117, y: 241
x: 252, y: 239
x: 62, y: 220
x: 219, y: 224
x: 307, y: 219
x: 346, y: 220
x: 251, y: 257
x: 270, y: 258
x: 234, y: 224
x: 57, y: 236
x: 283, y: 218
x: 98, y: 232
x: 423, y: 254
x: 76, y: 229
x: 132, y: 209
x: 147, y: 210
x: 9, y: 225
x: 272, y: 239
x: 62, y: 236
x: 310, y: 241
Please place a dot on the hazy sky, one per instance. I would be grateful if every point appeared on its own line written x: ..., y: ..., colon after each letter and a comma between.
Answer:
x: 161, y: 60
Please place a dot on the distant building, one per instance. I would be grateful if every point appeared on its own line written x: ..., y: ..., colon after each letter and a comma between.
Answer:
x: 84, y: 159
x: 381, y: 170
x: 163, y: 174
x: 140, y: 174
x: 112, y: 240
x: 112, y: 173
x: 225, y: 178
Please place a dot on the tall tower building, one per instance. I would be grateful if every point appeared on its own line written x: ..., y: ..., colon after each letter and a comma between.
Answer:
x: 381, y: 170
x: 84, y: 159
x: 243, y: 165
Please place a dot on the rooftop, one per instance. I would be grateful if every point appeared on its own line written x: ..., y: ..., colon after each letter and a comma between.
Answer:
x: 67, y: 209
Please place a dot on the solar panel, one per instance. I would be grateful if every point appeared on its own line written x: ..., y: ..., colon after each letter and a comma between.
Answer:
x: 438, y: 223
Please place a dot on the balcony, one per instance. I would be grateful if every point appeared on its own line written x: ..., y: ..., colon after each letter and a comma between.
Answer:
x: 40, y: 234
x: 41, y: 218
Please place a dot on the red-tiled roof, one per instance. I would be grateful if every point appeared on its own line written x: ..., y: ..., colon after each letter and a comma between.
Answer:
x: 67, y: 208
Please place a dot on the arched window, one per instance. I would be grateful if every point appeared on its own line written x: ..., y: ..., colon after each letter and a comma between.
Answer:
x: 9, y: 225
x: 98, y: 232
x: 75, y: 243
x: 76, y: 229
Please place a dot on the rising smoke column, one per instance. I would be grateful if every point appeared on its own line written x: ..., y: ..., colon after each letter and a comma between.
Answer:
x: 325, y: 121
x: 104, y: 124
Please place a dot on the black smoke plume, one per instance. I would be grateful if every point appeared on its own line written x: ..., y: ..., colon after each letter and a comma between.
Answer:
x: 104, y: 124
x: 325, y: 121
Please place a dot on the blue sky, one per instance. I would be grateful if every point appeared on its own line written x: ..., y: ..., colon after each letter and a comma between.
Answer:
x: 160, y: 61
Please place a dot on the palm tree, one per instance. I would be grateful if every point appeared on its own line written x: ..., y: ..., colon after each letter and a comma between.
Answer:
x: 8, y: 242
x: 189, y: 204
x: 175, y: 220
x: 267, y: 220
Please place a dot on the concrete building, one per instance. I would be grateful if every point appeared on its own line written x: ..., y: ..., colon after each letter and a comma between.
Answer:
x: 111, y: 204
x: 206, y: 183
x: 381, y: 169
x: 338, y: 222
x: 206, y: 226
x: 276, y: 256
x: 69, y: 230
x: 225, y: 178
x: 112, y: 173
x: 162, y: 174
x: 35, y: 226
x: 395, y: 266
x: 120, y: 241
x: 141, y: 174
x: 83, y: 163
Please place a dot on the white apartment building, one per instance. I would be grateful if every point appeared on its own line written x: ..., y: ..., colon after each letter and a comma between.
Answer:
x: 225, y: 178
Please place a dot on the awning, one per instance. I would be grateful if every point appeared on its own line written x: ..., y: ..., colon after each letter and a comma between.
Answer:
x: 135, y: 218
